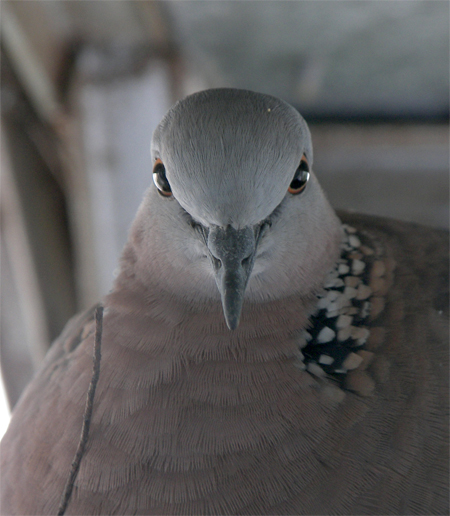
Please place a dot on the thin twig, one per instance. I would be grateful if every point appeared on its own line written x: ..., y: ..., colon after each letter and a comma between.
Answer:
x: 87, y: 413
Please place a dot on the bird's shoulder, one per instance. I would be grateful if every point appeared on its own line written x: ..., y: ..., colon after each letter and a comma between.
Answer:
x: 409, y: 326
x: 419, y: 254
x: 46, y: 423
x: 76, y: 331
x: 386, y: 298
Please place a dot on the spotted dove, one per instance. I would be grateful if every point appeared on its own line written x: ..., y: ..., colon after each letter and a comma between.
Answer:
x: 259, y: 355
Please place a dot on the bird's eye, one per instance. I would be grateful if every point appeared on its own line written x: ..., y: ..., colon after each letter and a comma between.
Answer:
x: 301, y: 177
x: 160, y: 179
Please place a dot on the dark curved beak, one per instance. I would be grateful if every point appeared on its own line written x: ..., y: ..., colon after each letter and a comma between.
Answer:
x: 232, y: 253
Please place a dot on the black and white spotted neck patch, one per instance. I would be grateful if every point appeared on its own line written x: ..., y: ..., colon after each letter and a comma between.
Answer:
x: 338, y: 328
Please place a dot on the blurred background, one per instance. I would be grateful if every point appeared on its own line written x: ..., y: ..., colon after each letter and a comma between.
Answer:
x: 84, y: 83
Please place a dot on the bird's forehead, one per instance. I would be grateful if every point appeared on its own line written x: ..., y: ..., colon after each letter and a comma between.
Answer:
x: 230, y: 155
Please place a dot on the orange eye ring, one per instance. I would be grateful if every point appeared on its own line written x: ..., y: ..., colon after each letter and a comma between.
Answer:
x: 301, y: 177
x: 160, y: 179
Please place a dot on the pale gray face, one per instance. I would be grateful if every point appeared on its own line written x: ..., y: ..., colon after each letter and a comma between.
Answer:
x: 230, y: 155
x: 227, y: 161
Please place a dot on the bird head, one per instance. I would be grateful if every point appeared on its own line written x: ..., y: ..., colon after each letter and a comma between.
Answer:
x: 232, y: 178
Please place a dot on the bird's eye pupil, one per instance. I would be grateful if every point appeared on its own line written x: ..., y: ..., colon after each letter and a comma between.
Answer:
x: 298, y: 182
x: 160, y: 179
x: 301, y: 177
x: 303, y: 167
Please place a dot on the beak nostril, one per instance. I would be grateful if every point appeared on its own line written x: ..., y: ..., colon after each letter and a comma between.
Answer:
x: 216, y: 262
